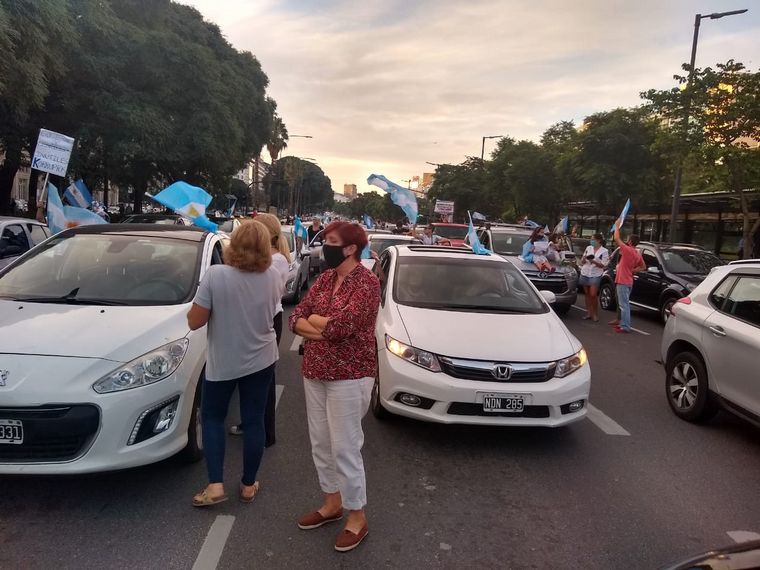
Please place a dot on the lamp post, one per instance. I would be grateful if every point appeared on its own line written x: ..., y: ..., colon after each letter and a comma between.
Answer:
x: 687, y: 108
x: 483, y: 146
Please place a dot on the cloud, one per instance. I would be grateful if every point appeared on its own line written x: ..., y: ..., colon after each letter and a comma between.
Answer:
x: 384, y: 86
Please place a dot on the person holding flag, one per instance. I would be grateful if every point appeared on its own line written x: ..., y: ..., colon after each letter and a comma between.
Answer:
x: 630, y: 263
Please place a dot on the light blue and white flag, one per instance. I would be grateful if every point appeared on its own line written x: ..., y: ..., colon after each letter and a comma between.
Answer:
x: 369, y: 222
x: 531, y: 224
x: 78, y: 194
x: 56, y: 219
x: 478, y: 217
x: 402, y: 197
x: 231, y: 210
x: 547, y: 231
x: 561, y: 227
x: 366, y: 253
x: 472, y: 237
x: 623, y: 214
x: 81, y: 217
x: 300, y: 229
x: 189, y: 201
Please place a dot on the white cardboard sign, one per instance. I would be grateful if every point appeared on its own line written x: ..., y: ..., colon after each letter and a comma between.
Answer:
x: 52, y: 152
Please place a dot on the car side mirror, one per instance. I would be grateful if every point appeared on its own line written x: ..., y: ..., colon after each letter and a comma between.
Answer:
x: 548, y: 296
x: 654, y: 270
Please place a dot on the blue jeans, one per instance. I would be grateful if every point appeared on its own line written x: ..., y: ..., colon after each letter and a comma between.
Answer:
x: 623, y: 293
x: 254, y: 390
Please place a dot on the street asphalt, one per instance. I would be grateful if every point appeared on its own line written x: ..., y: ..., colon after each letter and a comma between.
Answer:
x: 634, y: 488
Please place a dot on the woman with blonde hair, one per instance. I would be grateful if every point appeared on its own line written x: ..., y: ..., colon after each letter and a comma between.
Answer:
x: 280, y: 261
x: 237, y: 300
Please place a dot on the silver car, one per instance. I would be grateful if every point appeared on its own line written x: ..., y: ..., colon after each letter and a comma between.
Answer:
x: 19, y: 235
x: 711, y: 345
x: 298, y: 278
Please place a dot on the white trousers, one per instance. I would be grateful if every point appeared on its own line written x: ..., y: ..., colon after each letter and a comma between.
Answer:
x: 335, y: 410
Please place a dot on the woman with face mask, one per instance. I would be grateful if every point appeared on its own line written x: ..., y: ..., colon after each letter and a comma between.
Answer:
x: 594, y: 262
x: 337, y: 319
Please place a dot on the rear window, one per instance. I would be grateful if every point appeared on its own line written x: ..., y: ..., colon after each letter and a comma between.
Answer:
x: 450, y: 232
x: 509, y: 243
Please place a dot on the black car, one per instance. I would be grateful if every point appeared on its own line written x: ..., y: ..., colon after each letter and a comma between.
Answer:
x: 673, y: 271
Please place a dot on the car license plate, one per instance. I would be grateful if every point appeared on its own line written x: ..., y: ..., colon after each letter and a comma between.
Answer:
x: 11, y: 431
x: 508, y: 403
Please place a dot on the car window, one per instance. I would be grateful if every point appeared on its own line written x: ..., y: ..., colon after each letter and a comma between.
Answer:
x: 217, y: 257
x: 450, y: 232
x: 650, y: 259
x: 689, y: 261
x: 381, y: 270
x: 508, y: 243
x: 13, y: 241
x: 744, y: 300
x: 38, y: 233
x: 227, y: 226
x: 484, y: 238
x: 720, y: 293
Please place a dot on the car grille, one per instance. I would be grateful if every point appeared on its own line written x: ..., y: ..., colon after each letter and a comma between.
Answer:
x: 51, y: 433
x: 554, y: 282
x: 467, y: 409
x: 482, y: 371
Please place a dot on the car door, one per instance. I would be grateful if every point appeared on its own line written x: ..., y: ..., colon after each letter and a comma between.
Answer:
x: 13, y: 242
x: 731, y: 340
x: 647, y: 285
x: 37, y: 233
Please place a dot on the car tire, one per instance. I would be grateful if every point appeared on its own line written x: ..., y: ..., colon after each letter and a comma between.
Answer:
x: 193, y: 451
x: 561, y: 310
x: 377, y: 406
x: 687, y: 388
x: 667, y: 305
x: 607, y: 300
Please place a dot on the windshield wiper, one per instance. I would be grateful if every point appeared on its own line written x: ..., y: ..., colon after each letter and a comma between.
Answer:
x: 492, y: 308
x: 71, y: 299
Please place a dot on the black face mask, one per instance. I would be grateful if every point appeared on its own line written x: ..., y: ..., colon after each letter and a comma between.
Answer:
x: 333, y: 255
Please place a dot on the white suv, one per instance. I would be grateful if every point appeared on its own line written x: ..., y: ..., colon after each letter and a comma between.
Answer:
x: 711, y: 345
x: 465, y: 338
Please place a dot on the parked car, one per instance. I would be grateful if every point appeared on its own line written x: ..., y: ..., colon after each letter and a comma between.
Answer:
x: 508, y: 242
x: 19, y: 235
x: 379, y: 242
x: 298, y: 278
x: 228, y: 225
x: 673, y: 271
x: 455, y: 233
x: 100, y: 371
x: 162, y: 218
x: 533, y: 372
x: 711, y: 344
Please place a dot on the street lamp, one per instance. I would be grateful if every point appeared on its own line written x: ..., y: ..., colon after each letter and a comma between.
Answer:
x: 687, y: 108
x: 483, y: 146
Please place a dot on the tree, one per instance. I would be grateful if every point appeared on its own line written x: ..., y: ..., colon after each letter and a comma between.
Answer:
x: 724, y: 113
x: 465, y: 184
x: 278, y: 138
x: 298, y: 186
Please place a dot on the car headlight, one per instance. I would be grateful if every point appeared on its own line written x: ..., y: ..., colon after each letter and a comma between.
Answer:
x: 144, y: 370
x: 571, y: 364
x: 422, y: 358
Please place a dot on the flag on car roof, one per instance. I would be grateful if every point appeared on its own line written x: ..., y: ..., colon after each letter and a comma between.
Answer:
x: 478, y: 217
x: 472, y: 237
x: 189, y: 201
x: 60, y: 217
x: 402, y: 197
x: 369, y: 222
x: 77, y: 194
x: 561, y: 227
x: 623, y: 214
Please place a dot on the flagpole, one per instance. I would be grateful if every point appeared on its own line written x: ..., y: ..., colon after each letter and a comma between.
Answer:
x: 42, y: 199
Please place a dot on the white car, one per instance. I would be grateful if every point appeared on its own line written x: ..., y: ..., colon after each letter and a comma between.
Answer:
x: 465, y: 338
x: 99, y: 370
x: 711, y: 344
x: 19, y: 235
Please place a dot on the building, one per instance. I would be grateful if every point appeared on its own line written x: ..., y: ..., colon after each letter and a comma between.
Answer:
x: 253, y: 175
x: 349, y: 191
x: 341, y: 198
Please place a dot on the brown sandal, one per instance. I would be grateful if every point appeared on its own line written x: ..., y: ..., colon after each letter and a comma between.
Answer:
x: 256, y: 488
x: 203, y: 499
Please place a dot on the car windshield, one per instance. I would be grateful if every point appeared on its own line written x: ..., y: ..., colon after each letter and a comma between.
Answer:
x: 450, y: 232
x: 509, y: 243
x: 464, y: 284
x: 379, y: 245
x: 106, y: 269
x: 580, y: 245
x: 163, y: 220
x: 690, y: 261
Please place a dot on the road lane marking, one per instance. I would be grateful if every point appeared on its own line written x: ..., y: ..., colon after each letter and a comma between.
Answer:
x: 296, y: 343
x: 743, y: 535
x: 279, y: 389
x: 604, y: 422
x: 211, y: 551
x: 645, y: 333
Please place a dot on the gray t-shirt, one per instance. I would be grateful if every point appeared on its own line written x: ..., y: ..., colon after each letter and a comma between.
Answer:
x: 241, y: 339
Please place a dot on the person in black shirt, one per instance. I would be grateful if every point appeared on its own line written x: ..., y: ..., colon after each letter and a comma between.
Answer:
x: 314, y: 229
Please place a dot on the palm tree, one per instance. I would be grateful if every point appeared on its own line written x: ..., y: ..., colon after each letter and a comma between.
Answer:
x: 278, y: 139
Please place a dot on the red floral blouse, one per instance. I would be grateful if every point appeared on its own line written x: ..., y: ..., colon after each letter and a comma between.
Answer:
x: 348, y: 351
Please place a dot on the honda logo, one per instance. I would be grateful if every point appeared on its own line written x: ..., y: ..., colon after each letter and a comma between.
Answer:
x: 3, y: 377
x: 502, y: 371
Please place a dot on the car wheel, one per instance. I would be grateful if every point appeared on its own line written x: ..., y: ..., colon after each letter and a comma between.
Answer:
x: 687, y: 388
x: 377, y: 407
x: 193, y: 451
x: 561, y: 309
x: 607, y: 297
x: 666, y: 308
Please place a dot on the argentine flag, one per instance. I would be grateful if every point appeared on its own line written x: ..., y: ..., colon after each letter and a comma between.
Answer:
x: 623, y: 214
x: 402, y: 197
x: 561, y: 227
x: 300, y: 229
x: 62, y: 217
x: 78, y: 195
x: 472, y: 237
x: 369, y: 222
x: 189, y: 201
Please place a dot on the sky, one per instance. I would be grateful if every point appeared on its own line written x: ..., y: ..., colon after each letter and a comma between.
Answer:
x: 385, y: 86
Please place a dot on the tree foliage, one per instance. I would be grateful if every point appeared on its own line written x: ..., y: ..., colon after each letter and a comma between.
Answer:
x: 298, y: 186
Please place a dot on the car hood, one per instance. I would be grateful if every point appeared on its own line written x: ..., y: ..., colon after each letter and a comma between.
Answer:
x: 523, y: 266
x: 114, y: 333
x: 484, y: 336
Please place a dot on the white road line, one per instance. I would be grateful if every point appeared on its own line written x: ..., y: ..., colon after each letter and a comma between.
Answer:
x: 279, y: 389
x: 645, y: 333
x: 743, y: 535
x: 296, y: 343
x: 604, y: 422
x: 211, y: 551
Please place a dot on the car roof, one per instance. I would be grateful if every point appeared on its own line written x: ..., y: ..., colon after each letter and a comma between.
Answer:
x: 11, y: 219
x: 749, y: 262
x: 511, y: 230
x: 448, y: 224
x: 185, y: 233
x: 664, y: 245
x: 399, y: 237
x: 411, y: 251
